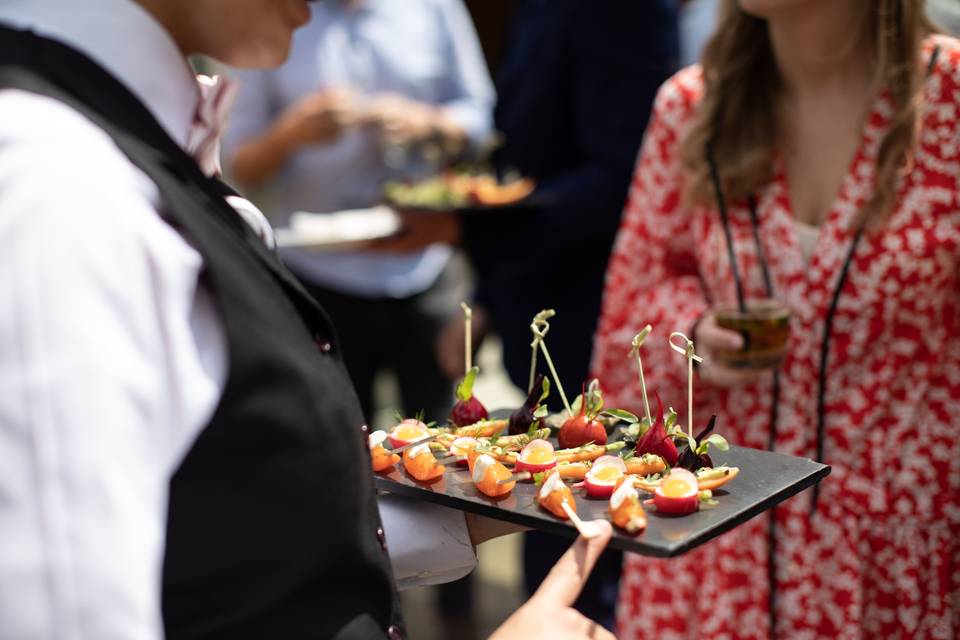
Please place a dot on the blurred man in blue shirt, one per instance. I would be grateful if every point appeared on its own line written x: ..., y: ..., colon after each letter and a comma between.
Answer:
x: 374, y: 90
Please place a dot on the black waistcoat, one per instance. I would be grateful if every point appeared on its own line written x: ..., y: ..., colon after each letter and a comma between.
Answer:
x: 273, y: 529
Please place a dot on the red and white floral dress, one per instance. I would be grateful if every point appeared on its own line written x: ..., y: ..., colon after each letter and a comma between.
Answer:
x: 880, y: 556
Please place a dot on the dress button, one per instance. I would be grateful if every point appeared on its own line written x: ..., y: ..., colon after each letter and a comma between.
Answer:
x: 394, y: 633
x: 364, y: 429
x: 382, y: 538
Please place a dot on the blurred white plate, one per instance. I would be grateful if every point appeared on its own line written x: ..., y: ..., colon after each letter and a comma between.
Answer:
x: 339, y: 230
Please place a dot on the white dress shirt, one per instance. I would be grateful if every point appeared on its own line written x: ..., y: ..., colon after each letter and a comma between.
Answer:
x: 112, y: 358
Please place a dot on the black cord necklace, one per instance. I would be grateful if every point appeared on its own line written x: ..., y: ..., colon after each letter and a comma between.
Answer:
x: 775, y: 393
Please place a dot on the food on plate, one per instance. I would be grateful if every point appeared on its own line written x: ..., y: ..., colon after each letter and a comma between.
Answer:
x: 467, y: 410
x: 603, y: 476
x: 421, y: 464
x: 678, y: 494
x: 407, y: 432
x: 639, y: 466
x: 587, y: 452
x: 656, y: 439
x: 462, y: 446
x: 519, y: 441
x: 644, y: 465
x: 486, y: 190
x: 572, y: 470
x: 553, y: 494
x: 380, y: 457
x: 581, y: 429
x: 712, y: 478
x: 481, y: 429
x: 529, y: 414
x: 454, y: 190
x: 488, y: 474
x: 626, y: 511
x: 693, y: 456
x: 586, y: 425
x: 536, y: 457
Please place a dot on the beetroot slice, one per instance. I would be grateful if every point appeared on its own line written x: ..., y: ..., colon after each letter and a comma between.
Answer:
x: 689, y: 459
x: 522, y: 418
x: 468, y: 410
x: 656, y: 441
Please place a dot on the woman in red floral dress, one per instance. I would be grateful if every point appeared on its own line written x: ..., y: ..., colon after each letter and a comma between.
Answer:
x: 837, y: 149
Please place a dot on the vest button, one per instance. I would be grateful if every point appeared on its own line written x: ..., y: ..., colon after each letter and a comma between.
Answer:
x: 364, y: 430
x: 382, y: 538
x: 394, y: 633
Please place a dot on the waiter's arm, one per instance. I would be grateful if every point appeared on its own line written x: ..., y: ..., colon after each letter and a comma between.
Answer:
x: 96, y: 305
x: 428, y: 544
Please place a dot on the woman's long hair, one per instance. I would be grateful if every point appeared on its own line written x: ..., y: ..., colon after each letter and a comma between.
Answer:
x: 736, y: 117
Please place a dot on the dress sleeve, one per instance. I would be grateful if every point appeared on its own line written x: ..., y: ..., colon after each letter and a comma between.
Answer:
x: 652, y: 277
x: 428, y: 544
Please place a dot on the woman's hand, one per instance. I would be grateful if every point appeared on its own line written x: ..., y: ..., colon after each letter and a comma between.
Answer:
x: 708, y: 337
x: 549, y: 614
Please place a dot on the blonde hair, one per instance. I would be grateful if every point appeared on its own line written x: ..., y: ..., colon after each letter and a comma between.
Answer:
x: 736, y: 118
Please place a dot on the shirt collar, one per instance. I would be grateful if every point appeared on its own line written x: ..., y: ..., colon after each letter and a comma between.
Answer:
x: 125, y: 40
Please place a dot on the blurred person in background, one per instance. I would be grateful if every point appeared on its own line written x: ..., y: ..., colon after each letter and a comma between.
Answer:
x: 374, y: 90
x: 183, y: 455
x: 832, y: 129
x: 575, y: 88
x: 698, y: 19
x: 945, y: 14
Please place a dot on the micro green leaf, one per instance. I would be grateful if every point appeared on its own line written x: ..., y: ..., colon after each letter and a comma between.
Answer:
x: 670, y: 420
x: 465, y: 388
x: 622, y: 414
x: 546, y: 389
x: 714, y: 439
x: 642, y: 427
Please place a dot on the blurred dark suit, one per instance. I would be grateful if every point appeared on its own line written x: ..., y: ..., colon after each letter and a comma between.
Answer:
x: 575, y: 89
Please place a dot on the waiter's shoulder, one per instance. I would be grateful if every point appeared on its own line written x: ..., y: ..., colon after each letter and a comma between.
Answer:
x: 62, y: 178
x: 42, y: 139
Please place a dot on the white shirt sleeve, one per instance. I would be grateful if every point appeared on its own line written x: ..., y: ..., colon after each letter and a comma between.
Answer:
x: 103, y: 379
x: 428, y: 544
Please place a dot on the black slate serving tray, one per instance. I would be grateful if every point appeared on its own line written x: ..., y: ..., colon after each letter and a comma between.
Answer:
x: 765, y: 480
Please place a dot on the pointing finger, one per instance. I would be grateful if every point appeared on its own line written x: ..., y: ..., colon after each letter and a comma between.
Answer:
x: 565, y: 581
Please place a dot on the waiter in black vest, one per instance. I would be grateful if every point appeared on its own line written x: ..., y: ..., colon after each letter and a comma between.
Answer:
x: 181, y: 453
